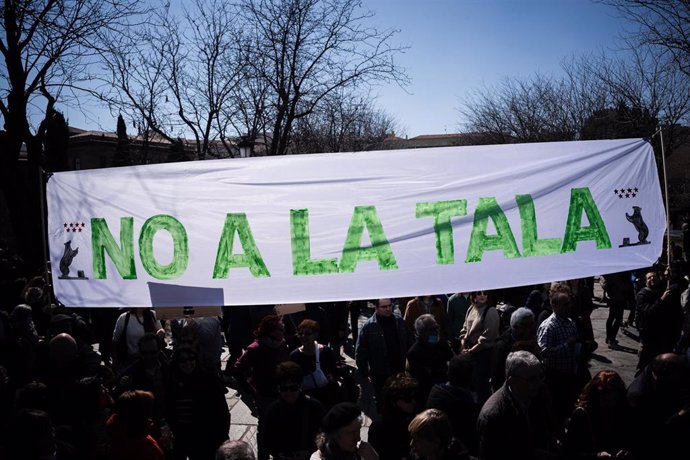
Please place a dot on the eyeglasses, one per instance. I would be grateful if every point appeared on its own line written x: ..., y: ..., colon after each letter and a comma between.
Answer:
x: 387, y: 305
x: 186, y: 359
x: 286, y: 388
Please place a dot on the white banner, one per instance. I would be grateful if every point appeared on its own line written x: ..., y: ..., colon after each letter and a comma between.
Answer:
x: 310, y: 228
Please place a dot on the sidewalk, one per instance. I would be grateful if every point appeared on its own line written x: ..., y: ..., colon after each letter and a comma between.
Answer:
x: 622, y: 359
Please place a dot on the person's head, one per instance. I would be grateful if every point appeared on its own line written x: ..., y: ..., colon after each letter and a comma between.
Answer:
x: 400, y: 395
x: 522, y: 324
x: 189, y: 334
x: 480, y: 298
x: 559, y: 287
x: 33, y: 395
x: 604, y: 392
x: 430, y: 433
x: 271, y: 330
x: 426, y: 329
x: 340, y: 428
x: 149, y: 348
x: 29, y: 435
x: 425, y: 300
x: 60, y: 324
x: 21, y: 318
x: 524, y: 374
x: 289, y: 380
x: 185, y: 359
x: 384, y: 308
x: 62, y: 350
x: 670, y: 372
x: 235, y: 450
x: 135, y: 410
x: 460, y: 370
x: 560, y: 303
x: 651, y: 280
x: 308, y: 331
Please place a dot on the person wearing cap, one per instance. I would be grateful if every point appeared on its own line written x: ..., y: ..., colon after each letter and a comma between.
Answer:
x: 339, y: 438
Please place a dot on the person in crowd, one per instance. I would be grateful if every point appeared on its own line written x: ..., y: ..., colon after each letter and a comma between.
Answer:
x: 382, y: 346
x: 601, y: 424
x: 151, y: 372
x: 30, y: 435
x: 129, y: 328
x: 23, y: 346
x: 317, y: 364
x: 660, y: 401
x: 388, y: 435
x: 255, y: 369
x: 558, y: 342
x: 619, y: 291
x: 430, y: 305
x: 208, y: 338
x: 235, y: 450
x: 478, y: 338
x: 659, y: 318
x: 457, y: 307
x: 517, y: 421
x: 432, y: 438
x: 130, y: 428
x: 313, y: 311
x: 427, y: 358
x: 536, y: 299
x: 683, y: 346
x: 292, y: 420
x: 238, y: 327
x: 355, y: 308
x: 339, y: 438
x: 456, y: 399
x: 196, y: 409
x: 522, y: 335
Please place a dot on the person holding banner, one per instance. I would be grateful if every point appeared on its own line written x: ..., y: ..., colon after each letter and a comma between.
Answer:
x: 129, y: 328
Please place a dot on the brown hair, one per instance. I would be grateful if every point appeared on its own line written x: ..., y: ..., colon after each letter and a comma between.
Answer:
x: 602, y: 381
x: 396, y: 387
x: 309, y: 324
x: 432, y: 424
x: 268, y: 324
x: 135, y: 409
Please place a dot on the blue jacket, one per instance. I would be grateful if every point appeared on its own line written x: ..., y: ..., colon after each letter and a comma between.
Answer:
x: 370, y: 353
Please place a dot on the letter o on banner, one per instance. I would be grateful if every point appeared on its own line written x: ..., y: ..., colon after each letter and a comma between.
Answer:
x: 180, y: 258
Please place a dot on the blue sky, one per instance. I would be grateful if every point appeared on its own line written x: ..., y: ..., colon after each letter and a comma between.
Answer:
x: 459, y: 46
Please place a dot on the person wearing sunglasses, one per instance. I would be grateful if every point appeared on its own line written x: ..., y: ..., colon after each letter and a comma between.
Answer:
x: 292, y: 420
x: 317, y: 362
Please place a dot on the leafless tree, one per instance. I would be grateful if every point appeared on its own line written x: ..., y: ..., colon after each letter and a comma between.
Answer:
x: 662, y: 24
x: 531, y: 110
x: 343, y: 122
x: 304, y: 50
x: 639, y: 84
x: 46, y: 45
x: 178, y: 74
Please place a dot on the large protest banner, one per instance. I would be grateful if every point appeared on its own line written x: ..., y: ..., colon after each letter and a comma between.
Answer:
x: 310, y: 228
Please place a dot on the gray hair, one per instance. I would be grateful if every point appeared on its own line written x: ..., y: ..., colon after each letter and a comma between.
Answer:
x: 235, y: 450
x: 519, y: 361
x: 521, y: 316
x: 424, y: 322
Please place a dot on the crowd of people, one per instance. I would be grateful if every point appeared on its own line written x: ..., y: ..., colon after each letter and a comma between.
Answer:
x: 490, y: 375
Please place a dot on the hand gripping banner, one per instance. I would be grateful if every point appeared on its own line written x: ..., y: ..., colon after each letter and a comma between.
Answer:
x: 311, y: 228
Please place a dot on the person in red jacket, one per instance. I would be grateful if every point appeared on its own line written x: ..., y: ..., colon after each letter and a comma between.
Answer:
x: 130, y: 426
